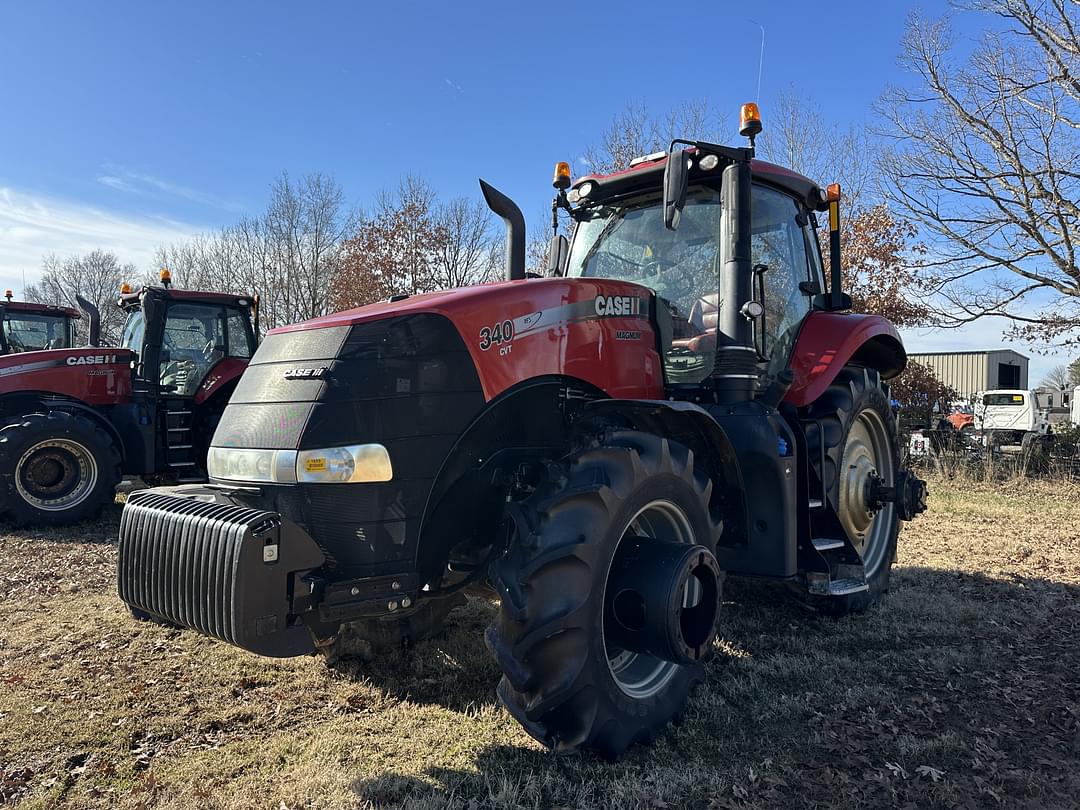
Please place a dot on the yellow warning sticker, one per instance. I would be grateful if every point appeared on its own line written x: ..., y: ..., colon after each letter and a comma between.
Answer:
x: 315, y: 465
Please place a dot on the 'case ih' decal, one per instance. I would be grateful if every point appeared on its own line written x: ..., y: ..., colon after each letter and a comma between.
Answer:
x: 617, y: 306
x: 91, y: 360
x: 306, y: 373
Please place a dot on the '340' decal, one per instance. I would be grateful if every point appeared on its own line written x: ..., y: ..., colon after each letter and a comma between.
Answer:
x: 496, y: 335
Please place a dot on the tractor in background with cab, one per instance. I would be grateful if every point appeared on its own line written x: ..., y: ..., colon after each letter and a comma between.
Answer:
x: 73, y: 421
x: 682, y: 398
x: 26, y: 326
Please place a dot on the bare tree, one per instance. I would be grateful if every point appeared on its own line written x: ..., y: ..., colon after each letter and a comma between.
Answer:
x: 1058, y: 377
x: 985, y: 159
x: 288, y: 255
x: 797, y: 136
x: 411, y: 243
x: 97, y: 277
x: 635, y: 132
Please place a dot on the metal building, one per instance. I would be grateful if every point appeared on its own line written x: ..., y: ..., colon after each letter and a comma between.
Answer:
x: 970, y: 372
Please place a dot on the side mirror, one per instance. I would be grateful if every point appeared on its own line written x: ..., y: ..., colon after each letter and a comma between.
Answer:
x: 676, y: 179
x: 558, y: 252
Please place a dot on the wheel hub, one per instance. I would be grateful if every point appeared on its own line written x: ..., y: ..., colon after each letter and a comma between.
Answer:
x: 55, y: 474
x: 866, y: 466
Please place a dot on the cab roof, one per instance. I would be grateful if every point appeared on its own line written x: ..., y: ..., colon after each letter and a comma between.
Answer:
x: 132, y: 299
x: 648, y: 172
x: 40, y: 309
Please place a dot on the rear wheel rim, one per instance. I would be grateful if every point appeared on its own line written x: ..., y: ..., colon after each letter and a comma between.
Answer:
x: 867, y: 454
x: 639, y: 675
x: 56, y: 474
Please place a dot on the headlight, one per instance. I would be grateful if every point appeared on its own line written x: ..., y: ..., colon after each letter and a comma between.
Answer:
x: 340, y: 465
x: 267, y: 466
x: 357, y: 463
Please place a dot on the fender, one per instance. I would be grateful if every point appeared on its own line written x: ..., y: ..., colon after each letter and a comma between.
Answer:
x: 224, y: 371
x: 827, y: 341
x: 525, y: 423
x: 31, y: 401
x: 693, y: 426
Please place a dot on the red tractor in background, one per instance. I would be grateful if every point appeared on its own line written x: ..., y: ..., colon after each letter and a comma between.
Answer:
x: 30, y: 327
x: 74, y: 420
x: 681, y: 399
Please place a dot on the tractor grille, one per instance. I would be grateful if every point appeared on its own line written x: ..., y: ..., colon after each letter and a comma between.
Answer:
x: 218, y: 568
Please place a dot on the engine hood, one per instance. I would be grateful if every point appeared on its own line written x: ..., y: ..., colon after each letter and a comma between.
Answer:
x: 445, y: 302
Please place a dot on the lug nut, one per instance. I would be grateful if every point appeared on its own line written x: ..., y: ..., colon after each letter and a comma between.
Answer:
x: 405, y: 601
x: 395, y: 585
x: 392, y: 606
x: 355, y: 591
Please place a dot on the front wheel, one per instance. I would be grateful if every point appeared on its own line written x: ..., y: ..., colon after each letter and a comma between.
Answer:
x: 610, y: 596
x: 58, y: 468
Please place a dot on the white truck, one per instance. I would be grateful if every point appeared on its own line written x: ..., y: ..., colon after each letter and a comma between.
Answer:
x: 1008, y: 416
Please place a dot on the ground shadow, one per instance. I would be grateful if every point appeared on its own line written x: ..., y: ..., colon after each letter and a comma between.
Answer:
x: 961, y: 674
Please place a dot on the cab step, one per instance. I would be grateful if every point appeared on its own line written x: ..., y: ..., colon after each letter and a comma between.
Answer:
x: 826, y: 544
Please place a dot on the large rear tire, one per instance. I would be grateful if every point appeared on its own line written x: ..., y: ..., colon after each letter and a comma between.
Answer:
x: 57, y: 468
x: 564, y: 681
x: 856, y: 425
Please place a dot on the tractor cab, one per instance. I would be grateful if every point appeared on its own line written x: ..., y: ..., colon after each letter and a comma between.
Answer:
x: 180, y: 337
x: 621, y: 234
x: 31, y: 327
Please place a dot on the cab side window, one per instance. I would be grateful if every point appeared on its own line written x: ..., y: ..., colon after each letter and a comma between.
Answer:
x: 781, y: 263
x: 239, y: 340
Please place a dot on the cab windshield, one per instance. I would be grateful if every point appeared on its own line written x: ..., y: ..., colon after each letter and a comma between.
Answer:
x: 31, y: 332
x: 628, y: 241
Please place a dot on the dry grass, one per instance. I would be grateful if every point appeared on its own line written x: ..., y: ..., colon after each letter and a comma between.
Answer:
x: 962, y: 690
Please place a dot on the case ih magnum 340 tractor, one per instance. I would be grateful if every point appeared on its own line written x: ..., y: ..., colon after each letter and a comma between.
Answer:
x: 72, y: 421
x: 679, y: 400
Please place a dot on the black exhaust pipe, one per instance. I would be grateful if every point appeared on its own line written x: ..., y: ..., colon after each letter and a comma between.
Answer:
x: 92, y: 314
x: 515, y: 229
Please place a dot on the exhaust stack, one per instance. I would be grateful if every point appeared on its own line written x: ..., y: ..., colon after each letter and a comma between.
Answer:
x: 92, y: 314
x: 515, y: 229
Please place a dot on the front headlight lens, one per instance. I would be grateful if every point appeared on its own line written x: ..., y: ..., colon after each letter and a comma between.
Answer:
x: 357, y: 463
x: 259, y: 466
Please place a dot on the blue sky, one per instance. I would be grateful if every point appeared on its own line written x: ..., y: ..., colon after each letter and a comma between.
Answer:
x: 127, y: 124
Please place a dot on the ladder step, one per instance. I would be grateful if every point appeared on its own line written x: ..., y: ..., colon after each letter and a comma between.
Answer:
x: 177, y: 413
x: 179, y: 429
x: 179, y: 447
x: 815, y: 503
x: 844, y: 587
x: 181, y: 464
x: 825, y: 544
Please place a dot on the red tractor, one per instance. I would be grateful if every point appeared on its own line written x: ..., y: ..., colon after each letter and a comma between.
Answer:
x: 680, y: 400
x: 30, y: 327
x: 74, y: 420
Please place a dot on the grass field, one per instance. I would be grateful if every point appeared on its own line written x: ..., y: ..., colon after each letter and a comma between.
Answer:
x: 962, y: 690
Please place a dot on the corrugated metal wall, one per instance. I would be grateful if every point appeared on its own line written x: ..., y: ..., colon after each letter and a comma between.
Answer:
x: 970, y: 372
x: 966, y: 372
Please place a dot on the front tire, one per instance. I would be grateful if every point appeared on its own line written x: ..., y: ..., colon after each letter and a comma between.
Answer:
x: 57, y: 467
x: 563, y: 680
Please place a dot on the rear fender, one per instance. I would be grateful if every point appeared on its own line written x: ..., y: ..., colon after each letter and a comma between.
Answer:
x: 828, y: 341
x: 224, y: 375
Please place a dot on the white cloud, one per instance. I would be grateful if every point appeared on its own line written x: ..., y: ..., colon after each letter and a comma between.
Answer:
x: 121, y: 178
x: 32, y: 226
x: 453, y: 85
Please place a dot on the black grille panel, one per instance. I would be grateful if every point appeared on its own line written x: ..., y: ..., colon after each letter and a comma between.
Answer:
x: 204, y: 565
